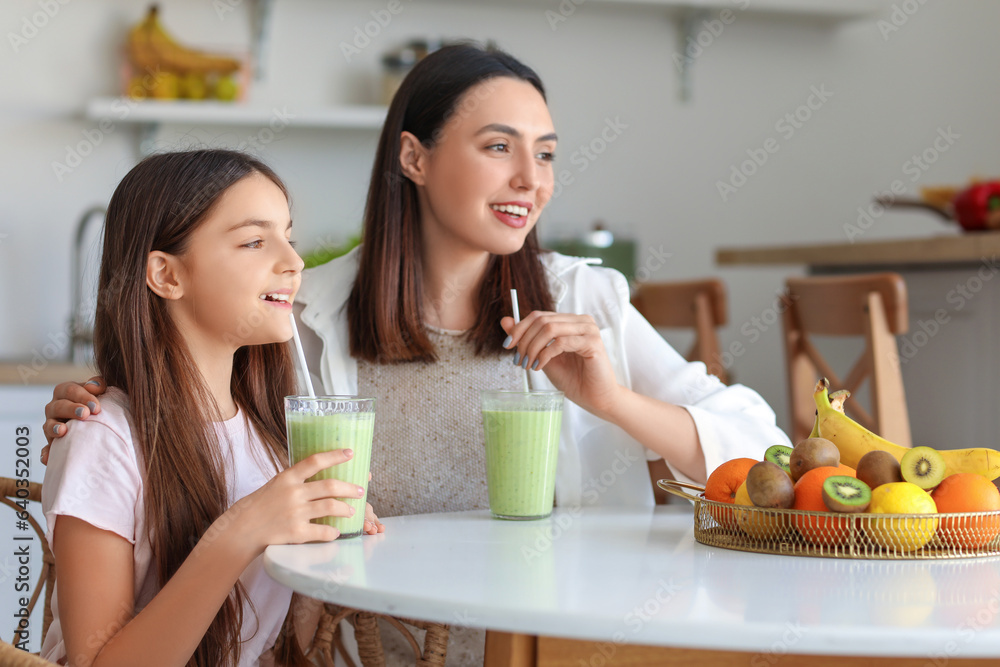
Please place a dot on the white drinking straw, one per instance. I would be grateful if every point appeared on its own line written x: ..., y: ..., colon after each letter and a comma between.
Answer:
x: 302, y: 356
x: 517, y: 318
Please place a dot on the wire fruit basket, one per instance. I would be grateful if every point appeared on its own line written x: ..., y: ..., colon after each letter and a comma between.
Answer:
x: 840, y: 535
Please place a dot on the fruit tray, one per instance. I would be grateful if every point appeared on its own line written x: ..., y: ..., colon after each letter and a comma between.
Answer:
x: 834, y: 535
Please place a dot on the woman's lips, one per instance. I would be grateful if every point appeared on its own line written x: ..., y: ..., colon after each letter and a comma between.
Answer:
x: 515, y: 221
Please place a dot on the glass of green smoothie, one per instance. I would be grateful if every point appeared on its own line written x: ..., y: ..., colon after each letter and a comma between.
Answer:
x: 522, y: 445
x: 323, y: 423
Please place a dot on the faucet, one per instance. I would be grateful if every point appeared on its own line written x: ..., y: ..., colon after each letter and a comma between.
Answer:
x: 81, y: 348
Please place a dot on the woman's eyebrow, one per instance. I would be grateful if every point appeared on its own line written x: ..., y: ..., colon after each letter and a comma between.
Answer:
x: 507, y: 129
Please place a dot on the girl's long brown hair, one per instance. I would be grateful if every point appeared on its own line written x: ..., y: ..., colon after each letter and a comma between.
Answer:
x: 384, y: 310
x: 157, y: 206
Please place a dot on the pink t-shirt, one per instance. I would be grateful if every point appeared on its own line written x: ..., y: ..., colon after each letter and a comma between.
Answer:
x: 94, y: 474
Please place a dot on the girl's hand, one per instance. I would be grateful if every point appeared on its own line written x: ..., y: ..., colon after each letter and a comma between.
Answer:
x: 280, y: 512
x: 569, y: 349
x: 70, y: 400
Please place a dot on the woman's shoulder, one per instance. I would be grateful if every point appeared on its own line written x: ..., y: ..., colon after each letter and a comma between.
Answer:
x: 582, y: 285
x: 329, y: 281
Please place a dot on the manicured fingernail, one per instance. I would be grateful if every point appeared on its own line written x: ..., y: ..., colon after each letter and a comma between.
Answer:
x: 93, y: 382
x: 348, y: 452
x: 534, y: 366
x: 508, y: 341
x: 361, y: 491
x: 79, y: 412
x: 352, y: 510
x: 56, y: 429
x: 92, y: 406
x: 517, y: 358
x: 524, y: 364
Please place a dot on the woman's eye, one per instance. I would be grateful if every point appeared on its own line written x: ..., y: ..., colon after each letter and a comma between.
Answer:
x: 546, y: 157
x: 497, y: 147
x: 254, y: 244
x: 292, y: 243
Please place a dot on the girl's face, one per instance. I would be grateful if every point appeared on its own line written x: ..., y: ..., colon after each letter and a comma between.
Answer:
x: 489, y: 175
x: 240, y: 273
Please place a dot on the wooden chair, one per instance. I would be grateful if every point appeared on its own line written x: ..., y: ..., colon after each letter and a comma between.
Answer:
x: 869, y: 305
x: 10, y: 494
x: 15, y: 657
x: 698, y: 305
x: 327, y: 643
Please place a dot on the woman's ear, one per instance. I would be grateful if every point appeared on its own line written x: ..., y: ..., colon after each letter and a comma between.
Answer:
x: 162, y: 275
x: 412, y: 158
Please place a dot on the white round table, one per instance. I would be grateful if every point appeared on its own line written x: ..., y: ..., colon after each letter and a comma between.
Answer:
x: 639, y: 577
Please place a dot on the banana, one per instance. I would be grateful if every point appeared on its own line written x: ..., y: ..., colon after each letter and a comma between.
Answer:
x: 151, y: 48
x: 854, y: 440
x: 837, y: 399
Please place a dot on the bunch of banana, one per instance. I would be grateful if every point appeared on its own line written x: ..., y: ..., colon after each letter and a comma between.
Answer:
x: 151, y: 48
x: 854, y: 440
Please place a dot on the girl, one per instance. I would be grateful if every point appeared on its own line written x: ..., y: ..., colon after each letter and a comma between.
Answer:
x: 159, y: 514
x: 418, y: 316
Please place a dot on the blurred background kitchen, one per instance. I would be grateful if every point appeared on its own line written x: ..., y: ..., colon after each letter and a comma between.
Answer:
x: 658, y: 107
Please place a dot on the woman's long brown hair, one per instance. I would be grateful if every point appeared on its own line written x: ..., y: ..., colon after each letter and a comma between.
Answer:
x: 384, y: 310
x: 157, y: 206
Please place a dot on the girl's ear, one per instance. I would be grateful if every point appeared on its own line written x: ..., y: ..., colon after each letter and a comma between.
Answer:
x: 412, y: 158
x: 162, y: 275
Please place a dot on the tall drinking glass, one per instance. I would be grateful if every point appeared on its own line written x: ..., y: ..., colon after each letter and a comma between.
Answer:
x: 324, y: 423
x: 522, y: 446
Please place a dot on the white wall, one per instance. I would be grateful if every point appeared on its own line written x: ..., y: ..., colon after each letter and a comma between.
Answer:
x: 657, y: 181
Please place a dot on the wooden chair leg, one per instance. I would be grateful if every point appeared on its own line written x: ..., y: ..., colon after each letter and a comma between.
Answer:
x: 506, y: 649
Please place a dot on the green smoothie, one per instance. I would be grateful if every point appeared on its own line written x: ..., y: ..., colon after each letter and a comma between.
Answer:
x: 309, y: 433
x: 521, y: 451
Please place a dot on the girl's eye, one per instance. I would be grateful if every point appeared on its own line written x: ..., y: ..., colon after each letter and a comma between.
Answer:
x: 546, y: 157
x: 497, y: 147
x: 254, y: 244
x: 292, y: 243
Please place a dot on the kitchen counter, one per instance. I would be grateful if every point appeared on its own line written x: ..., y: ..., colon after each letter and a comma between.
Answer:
x: 24, y: 372
x: 945, y: 251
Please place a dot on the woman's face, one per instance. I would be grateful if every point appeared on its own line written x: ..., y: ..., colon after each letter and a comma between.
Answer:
x: 488, y: 176
x: 239, y: 272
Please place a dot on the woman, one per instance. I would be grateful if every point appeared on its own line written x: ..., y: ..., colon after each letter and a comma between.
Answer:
x: 418, y: 316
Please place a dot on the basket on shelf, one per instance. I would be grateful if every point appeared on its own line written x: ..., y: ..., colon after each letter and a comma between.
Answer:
x: 835, y: 535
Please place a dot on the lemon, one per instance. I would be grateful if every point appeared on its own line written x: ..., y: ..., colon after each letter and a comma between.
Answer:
x: 763, y: 524
x: 901, y: 534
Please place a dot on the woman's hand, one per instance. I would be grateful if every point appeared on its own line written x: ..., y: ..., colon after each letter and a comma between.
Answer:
x: 70, y: 400
x: 281, y: 511
x: 569, y: 349
x: 372, y: 525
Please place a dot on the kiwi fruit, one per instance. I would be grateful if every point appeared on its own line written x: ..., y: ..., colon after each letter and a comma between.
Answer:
x: 770, y: 486
x: 922, y: 466
x: 812, y: 453
x: 842, y: 493
x: 879, y: 467
x: 779, y: 455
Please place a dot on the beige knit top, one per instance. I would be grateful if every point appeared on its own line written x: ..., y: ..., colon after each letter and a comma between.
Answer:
x: 428, y: 453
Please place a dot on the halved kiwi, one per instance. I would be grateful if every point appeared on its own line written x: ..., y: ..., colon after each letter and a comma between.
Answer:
x: 779, y: 455
x: 842, y: 493
x: 923, y: 466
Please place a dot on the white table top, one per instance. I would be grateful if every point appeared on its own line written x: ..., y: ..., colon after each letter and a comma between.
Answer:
x: 640, y: 578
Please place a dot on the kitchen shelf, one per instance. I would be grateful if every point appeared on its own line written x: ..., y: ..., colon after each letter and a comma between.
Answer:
x: 124, y: 110
x: 820, y: 10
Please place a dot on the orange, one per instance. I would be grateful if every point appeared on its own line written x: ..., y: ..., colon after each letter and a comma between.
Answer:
x: 821, y: 531
x: 722, y: 485
x: 847, y: 470
x: 967, y: 492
